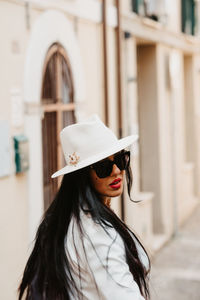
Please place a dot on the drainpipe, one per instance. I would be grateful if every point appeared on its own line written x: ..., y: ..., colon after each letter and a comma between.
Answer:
x: 105, y: 60
x: 174, y: 69
x: 119, y: 68
x: 119, y: 82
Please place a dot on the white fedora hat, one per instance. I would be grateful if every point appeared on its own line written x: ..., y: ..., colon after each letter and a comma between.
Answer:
x: 87, y: 142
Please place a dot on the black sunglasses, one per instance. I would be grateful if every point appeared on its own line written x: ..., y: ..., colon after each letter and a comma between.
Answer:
x: 104, y: 167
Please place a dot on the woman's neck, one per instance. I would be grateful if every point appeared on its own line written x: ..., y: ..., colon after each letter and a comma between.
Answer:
x: 107, y: 201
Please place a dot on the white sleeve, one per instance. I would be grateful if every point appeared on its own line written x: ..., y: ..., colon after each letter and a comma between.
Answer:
x: 107, y: 264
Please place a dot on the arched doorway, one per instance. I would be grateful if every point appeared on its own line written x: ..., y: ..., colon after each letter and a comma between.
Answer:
x: 58, y: 107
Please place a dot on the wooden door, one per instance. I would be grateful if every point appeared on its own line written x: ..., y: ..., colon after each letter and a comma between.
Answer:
x: 58, y: 107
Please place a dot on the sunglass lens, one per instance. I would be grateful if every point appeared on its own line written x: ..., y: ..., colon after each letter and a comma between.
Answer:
x: 122, y: 160
x: 103, y: 168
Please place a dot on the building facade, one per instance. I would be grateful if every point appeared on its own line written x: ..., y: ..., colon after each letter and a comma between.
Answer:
x: 134, y: 63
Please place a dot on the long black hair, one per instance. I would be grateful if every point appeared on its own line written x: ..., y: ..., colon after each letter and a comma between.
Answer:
x: 47, y: 274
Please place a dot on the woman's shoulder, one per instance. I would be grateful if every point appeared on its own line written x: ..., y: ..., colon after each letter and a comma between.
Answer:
x: 87, y: 239
x: 97, y: 253
x: 87, y: 232
x: 91, y: 229
x: 106, y: 234
x: 88, y: 235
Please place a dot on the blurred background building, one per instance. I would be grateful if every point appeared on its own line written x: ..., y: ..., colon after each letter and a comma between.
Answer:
x: 134, y: 63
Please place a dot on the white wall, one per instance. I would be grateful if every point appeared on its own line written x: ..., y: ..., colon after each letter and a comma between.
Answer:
x: 173, y: 9
x: 13, y: 201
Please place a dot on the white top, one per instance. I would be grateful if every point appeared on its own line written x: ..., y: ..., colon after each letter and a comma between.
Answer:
x: 101, y: 260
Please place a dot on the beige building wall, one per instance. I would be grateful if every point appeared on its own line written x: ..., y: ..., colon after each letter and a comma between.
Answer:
x: 196, y: 120
x: 90, y: 41
x: 165, y: 138
x: 138, y: 215
x: 160, y: 76
x: 173, y: 13
x: 15, y: 206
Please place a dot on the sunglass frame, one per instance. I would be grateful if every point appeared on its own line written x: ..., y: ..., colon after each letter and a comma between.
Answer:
x: 104, y: 171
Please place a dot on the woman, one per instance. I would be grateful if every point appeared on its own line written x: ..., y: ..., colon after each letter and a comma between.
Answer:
x: 82, y: 249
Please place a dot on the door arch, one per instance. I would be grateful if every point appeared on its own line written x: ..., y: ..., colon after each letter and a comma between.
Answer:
x: 57, y: 97
x: 43, y: 34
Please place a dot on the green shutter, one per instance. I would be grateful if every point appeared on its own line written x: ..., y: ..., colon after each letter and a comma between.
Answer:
x: 135, y: 6
x: 188, y: 16
x: 138, y: 7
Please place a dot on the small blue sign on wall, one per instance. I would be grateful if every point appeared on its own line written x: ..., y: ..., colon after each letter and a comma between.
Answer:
x: 5, y: 156
x: 21, y: 153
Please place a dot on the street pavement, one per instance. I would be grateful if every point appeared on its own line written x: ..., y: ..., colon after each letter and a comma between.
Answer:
x: 175, y: 271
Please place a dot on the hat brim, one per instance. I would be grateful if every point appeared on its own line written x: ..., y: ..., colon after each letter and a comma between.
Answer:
x: 120, y: 145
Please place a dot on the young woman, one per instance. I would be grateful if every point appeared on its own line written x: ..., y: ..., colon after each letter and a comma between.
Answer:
x: 82, y: 249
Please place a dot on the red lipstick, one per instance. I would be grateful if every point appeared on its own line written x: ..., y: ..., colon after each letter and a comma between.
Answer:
x: 116, y: 184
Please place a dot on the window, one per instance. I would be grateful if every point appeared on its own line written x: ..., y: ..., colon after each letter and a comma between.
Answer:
x: 139, y: 7
x: 58, y: 107
x: 153, y: 9
x: 188, y: 16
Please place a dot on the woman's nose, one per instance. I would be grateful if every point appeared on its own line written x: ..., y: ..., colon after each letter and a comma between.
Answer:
x: 115, y: 170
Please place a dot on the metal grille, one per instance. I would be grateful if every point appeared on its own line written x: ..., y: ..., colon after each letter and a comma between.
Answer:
x: 58, y: 107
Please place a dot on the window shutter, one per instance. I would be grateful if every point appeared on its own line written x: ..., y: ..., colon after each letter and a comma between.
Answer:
x: 188, y: 16
x: 138, y: 6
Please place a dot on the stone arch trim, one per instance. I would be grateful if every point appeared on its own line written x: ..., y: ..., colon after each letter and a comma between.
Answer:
x: 50, y: 27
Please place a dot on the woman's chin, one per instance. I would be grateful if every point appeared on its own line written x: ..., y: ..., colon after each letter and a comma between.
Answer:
x: 115, y: 193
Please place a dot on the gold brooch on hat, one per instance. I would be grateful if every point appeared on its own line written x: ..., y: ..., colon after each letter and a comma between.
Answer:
x: 73, y: 159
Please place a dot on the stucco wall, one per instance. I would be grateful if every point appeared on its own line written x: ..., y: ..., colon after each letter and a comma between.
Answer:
x: 15, y: 206
x: 14, y: 202
x: 20, y: 212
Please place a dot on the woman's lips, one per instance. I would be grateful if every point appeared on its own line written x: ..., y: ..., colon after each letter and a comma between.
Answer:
x: 116, y: 184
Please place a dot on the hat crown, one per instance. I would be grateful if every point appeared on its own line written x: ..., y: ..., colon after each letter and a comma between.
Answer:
x: 85, y: 139
x: 87, y: 142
